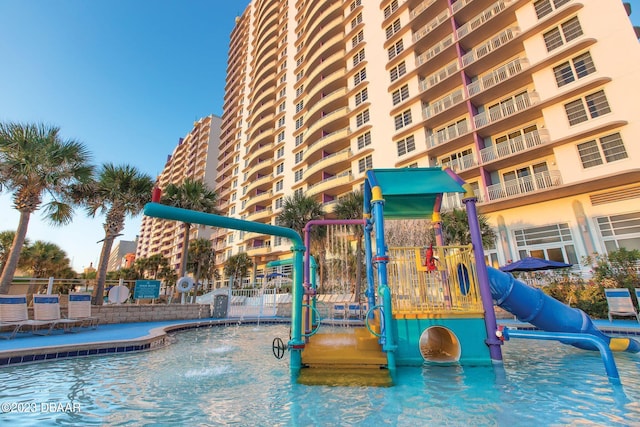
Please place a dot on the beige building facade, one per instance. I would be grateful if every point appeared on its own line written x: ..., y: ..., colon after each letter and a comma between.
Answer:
x: 531, y: 102
x: 195, y: 156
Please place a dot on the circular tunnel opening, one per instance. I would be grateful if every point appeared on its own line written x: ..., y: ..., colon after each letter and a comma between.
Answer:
x: 439, y: 344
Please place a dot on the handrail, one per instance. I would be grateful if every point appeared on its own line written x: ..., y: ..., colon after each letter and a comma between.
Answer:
x: 605, y: 352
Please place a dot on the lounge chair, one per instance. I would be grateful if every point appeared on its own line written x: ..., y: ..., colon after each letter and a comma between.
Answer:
x: 620, y: 303
x: 79, y: 309
x: 46, y: 308
x: 14, y: 316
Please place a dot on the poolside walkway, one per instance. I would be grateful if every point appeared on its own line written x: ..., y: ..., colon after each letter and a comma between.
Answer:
x: 128, y: 337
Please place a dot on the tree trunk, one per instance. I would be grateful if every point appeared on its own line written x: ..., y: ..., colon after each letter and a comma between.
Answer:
x: 16, y: 247
x: 185, y: 249
x: 101, y: 277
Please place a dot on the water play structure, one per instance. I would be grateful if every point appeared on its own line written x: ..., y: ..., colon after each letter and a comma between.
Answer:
x: 424, y: 304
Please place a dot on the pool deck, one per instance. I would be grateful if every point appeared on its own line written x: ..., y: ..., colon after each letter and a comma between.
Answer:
x: 129, y: 337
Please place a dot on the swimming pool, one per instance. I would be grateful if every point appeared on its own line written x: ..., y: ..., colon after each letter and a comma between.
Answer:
x: 228, y: 375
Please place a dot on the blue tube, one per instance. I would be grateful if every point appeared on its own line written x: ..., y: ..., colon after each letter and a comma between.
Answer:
x: 534, y: 306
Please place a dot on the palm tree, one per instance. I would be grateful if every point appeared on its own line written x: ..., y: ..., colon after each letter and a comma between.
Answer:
x: 352, y: 207
x: 193, y: 195
x: 36, y: 162
x: 238, y: 266
x: 6, y: 240
x: 201, y: 258
x: 455, y: 228
x: 118, y: 191
x: 297, y: 211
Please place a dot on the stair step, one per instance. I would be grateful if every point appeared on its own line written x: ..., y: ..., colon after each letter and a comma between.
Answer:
x: 345, y: 377
x: 354, y: 350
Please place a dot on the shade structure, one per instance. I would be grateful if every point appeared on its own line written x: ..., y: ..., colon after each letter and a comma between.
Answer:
x: 533, y: 264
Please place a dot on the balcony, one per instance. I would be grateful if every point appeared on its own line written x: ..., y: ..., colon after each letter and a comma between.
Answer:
x: 340, y: 113
x: 341, y: 179
x: 497, y: 76
x: 524, y: 185
x: 261, y: 214
x: 262, y: 181
x: 258, y: 250
x: 490, y: 45
x: 462, y: 163
x: 319, y: 165
x: 261, y: 165
x: 506, y: 109
x: 421, y: 8
x: 442, y: 74
x: 514, y: 145
x: 483, y: 17
x: 325, y: 100
x: 432, y: 25
x: 459, y: 5
x: 257, y: 198
x: 329, y: 139
x: 435, y: 50
x: 443, y: 104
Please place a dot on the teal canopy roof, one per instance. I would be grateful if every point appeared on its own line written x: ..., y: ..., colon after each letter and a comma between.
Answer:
x: 411, y: 192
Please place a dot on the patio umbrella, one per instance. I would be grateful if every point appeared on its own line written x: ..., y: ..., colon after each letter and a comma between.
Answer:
x: 533, y: 264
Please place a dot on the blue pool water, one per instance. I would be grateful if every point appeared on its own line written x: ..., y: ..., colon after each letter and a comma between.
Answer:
x: 228, y: 375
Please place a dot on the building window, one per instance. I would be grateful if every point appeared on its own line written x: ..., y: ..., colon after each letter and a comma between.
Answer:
x: 545, y: 7
x: 566, y: 32
x: 298, y: 175
x: 280, y: 168
x: 299, y: 139
x: 281, y: 137
x: 280, y: 152
x: 278, y: 203
x: 552, y: 242
x: 299, y: 192
x: 298, y: 157
x: 358, y: 57
x: 578, y: 67
x: 390, y: 9
x: 393, y: 28
x: 281, y: 107
x: 281, y: 122
x: 406, y: 145
x: 279, y: 185
x: 400, y: 95
x: 365, y: 163
x: 358, y: 38
x: 403, y: 119
x: 299, y: 106
x: 398, y: 71
x: 620, y: 231
x: 299, y: 91
x: 355, y: 4
x: 299, y: 122
x: 356, y: 21
x: 364, y: 140
x: 360, y: 77
x: 362, y: 118
x: 395, y: 50
x: 362, y: 96
x: 591, y: 106
x: 606, y: 149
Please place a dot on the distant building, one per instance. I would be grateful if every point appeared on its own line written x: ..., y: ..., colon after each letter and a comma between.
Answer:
x: 196, y: 156
x: 117, y: 258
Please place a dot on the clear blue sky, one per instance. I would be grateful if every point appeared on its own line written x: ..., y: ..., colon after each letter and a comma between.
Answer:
x: 126, y: 77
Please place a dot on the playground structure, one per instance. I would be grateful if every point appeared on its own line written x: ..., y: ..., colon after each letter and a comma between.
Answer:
x: 425, y: 304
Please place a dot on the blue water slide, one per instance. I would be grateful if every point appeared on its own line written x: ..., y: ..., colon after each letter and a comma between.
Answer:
x: 533, y: 306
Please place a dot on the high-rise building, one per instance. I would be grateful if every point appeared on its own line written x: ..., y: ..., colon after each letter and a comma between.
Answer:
x: 118, y: 253
x: 533, y: 103
x: 196, y: 157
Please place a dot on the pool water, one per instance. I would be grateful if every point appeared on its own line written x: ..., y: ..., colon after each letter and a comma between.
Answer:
x: 228, y: 375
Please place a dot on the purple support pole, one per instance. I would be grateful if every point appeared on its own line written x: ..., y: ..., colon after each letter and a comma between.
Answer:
x: 483, y: 280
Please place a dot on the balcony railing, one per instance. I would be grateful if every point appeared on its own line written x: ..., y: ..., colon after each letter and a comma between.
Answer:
x: 459, y: 5
x: 482, y: 17
x: 443, y: 104
x: 445, y: 135
x: 461, y: 163
x: 524, y: 185
x: 498, y: 75
x: 514, y: 145
x: 506, y: 108
x: 439, y: 47
x: 421, y: 7
x: 443, y: 73
x: 432, y: 25
x: 490, y: 45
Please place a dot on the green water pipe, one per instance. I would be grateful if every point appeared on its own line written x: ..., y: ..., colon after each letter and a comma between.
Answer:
x: 296, y: 344
x: 314, y: 285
